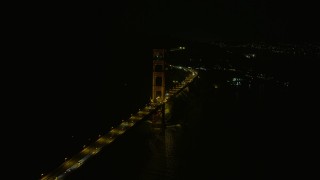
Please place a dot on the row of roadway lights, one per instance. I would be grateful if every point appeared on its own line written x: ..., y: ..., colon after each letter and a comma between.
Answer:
x: 84, y: 146
x: 112, y: 127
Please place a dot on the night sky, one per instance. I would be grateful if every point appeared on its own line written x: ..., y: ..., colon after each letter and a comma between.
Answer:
x: 88, y: 28
x: 226, y: 20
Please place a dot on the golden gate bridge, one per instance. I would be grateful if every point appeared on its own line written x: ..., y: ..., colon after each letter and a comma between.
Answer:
x: 150, y: 110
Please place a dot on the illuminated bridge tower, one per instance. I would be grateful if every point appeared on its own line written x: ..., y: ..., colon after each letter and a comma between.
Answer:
x: 158, y: 86
x: 158, y: 79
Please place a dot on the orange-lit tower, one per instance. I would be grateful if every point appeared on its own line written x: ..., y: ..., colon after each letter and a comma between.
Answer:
x: 158, y: 88
x: 158, y: 79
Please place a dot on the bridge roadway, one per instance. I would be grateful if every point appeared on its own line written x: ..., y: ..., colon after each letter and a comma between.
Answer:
x: 79, y: 159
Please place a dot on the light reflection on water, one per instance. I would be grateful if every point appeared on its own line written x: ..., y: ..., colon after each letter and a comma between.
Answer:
x: 163, y: 162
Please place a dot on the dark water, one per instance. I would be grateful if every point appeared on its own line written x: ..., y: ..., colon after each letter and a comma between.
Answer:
x: 222, y: 132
